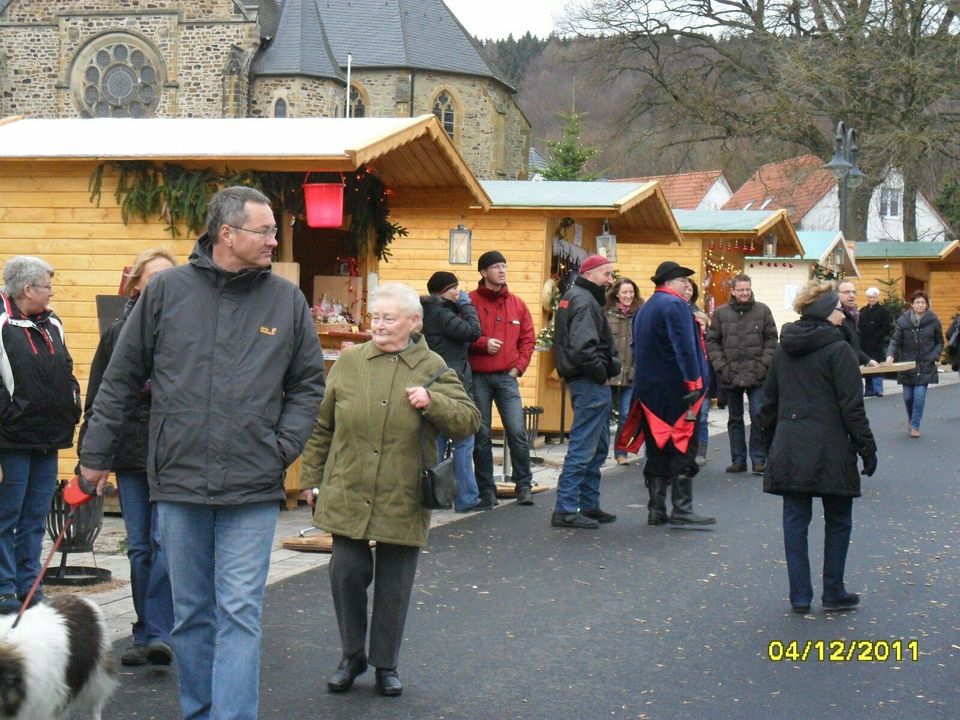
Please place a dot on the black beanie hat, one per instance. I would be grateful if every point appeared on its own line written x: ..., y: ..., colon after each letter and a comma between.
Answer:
x: 822, y: 306
x: 492, y: 257
x: 440, y: 281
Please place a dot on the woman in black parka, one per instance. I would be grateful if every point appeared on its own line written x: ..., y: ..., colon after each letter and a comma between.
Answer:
x: 917, y: 336
x: 813, y: 426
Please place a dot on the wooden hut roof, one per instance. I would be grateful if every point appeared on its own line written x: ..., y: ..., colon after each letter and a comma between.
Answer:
x: 403, y: 152
x: 935, y: 250
x: 741, y: 225
x: 818, y: 246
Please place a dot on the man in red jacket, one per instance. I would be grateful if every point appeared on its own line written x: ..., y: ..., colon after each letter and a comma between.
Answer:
x: 499, y: 356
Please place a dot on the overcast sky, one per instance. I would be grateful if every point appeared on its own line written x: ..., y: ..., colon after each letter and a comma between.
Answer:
x: 496, y: 19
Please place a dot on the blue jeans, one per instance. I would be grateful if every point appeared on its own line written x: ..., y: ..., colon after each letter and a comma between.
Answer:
x: 29, y: 480
x: 578, y: 487
x: 218, y: 557
x: 838, y: 523
x: 504, y: 390
x: 736, y: 428
x: 914, y: 397
x: 467, y: 494
x: 624, y: 396
x: 873, y: 385
x: 703, y: 427
x: 149, y: 580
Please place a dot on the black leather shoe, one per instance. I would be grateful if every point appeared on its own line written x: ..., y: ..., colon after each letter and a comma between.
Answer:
x: 655, y: 517
x: 736, y: 468
x: 347, y: 672
x: 599, y: 515
x: 691, y: 520
x: 758, y: 468
x: 524, y: 496
x: 801, y: 609
x: 573, y: 520
x: 847, y: 602
x: 388, y: 682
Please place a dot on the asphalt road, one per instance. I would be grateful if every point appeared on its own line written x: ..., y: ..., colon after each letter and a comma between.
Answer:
x: 511, y: 618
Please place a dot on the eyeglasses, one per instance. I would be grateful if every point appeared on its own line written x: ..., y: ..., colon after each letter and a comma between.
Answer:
x: 265, y: 233
x: 42, y: 287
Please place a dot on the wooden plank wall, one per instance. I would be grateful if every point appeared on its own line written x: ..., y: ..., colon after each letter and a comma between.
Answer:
x: 873, y: 272
x: 45, y: 210
x: 639, y: 261
x: 945, y: 294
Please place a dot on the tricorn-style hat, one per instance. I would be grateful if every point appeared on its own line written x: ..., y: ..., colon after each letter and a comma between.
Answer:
x: 669, y: 270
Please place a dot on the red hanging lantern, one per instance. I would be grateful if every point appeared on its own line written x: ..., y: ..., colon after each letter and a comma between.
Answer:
x: 324, y: 202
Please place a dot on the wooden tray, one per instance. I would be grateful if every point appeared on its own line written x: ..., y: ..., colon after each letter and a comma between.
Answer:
x: 509, y: 490
x: 884, y: 368
x: 321, y: 542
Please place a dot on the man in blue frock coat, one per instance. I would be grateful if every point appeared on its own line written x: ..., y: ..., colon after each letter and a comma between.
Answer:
x: 668, y: 391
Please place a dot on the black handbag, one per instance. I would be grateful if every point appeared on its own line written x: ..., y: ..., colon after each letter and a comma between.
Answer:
x: 438, y: 483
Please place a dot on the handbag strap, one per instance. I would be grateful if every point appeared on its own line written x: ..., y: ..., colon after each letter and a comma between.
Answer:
x: 424, y: 443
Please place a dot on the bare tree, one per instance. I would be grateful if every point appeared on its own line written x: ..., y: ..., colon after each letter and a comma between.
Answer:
x: 785, y: 71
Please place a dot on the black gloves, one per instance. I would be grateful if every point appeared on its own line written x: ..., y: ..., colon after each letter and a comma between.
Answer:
x: 869, y: 457
x: 691, y: 397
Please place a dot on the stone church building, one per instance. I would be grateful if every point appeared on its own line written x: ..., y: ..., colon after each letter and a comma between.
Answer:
x: 260, y: 58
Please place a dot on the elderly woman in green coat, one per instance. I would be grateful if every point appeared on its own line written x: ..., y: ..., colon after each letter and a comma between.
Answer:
x: 365, y: 456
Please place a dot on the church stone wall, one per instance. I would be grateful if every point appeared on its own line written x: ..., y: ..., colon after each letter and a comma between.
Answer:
x: 305, y: 97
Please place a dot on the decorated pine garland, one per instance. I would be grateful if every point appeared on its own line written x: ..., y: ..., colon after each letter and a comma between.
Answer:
x: 179, y: 195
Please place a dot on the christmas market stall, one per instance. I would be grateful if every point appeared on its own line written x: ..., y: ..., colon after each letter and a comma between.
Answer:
x: 544, y: 229
x: 898, y: 269
x: 89, y: 195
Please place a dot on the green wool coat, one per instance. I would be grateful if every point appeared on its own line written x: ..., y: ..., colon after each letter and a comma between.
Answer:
x: 365, y: 450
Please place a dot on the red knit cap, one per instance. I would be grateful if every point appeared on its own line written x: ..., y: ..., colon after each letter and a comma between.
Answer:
x: 593, y: 261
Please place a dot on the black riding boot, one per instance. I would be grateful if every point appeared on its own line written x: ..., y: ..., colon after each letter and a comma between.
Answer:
x: 657, y: 505
x: 682, y: 499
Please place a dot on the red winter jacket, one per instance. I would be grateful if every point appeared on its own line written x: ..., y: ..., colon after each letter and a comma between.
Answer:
x: 505, y: 317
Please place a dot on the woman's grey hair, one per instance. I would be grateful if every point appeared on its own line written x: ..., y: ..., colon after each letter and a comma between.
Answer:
x: 227, y: 208
x: 23, y: 270
x: 873, y: 292
x: 406, y: 300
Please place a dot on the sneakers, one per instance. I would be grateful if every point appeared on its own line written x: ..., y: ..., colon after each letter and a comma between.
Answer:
x: 758, y: 468
x: 477, y: 507
x: 577, y: 521
x: 38, y: 597
x: 134, y: 656
x: 599, y: 515
x: 9, y: 604
x: 623, y: 460
x: 159, y: 653
x: 847, y: 602
x: 524, y: 496
x: 914, y: 432
x: 736, y: 468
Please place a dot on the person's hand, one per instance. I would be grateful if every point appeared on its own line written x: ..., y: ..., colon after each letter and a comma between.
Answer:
x: 889, y: 359
x: 514, y: 373
x: 493, y: 346
x: 872, y: 363
x: 310, y: 497
x: 418, y: 397
x: 691, y: 397
x: 1, y: 473
x: 95, y: 477
x: 869, y: 458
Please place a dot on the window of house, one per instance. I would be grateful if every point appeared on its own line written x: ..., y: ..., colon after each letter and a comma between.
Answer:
x: 444, y: 110
x: 357, y: 107
x: 280, y: 108
x: 117, y: 75
x: 890, y: 202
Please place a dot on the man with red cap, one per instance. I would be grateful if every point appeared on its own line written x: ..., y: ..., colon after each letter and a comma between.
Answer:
x: 586, y: 354
x: 667, y: 394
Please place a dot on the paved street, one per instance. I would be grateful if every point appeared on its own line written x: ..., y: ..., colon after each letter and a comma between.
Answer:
x: 514, y: 619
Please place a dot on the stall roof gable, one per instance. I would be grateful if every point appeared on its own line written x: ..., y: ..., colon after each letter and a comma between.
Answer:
x: 796, y: 185
x: 933, y: 250
x: 754, y: 223
x: 560, y: 194
x: 683, y: 190
x: 406, y: 152
x: 818, y: 244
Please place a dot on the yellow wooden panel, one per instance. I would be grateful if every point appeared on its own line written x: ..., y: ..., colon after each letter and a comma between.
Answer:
x: 63, y: 199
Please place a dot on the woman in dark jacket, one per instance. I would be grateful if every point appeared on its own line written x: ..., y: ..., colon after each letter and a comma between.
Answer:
x: 149, y: 580
x: 39, y: 409
x: 813, y: 426
x: 917, y: 336
x: 450, y: 324
x: 623, y: 301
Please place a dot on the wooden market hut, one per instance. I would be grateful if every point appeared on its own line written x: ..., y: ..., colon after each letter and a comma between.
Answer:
x: 527, y: 221
x: 46, y: 207
x: 776, y: 281
x: 725, y: 238
x: 904, y: 267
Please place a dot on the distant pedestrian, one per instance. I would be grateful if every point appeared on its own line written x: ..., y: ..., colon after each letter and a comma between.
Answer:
x: 623, y: 301
x: 917, y: 336
x: 953, y: 343
x: 498, y: 358
x: 741, y: 342
x: 703, y: 419
x: 875, y: 327
x: 851, y: 321
x: 450, y: 324
x: 667, y: 393
x: 586, y: 355
x: 813, y: 426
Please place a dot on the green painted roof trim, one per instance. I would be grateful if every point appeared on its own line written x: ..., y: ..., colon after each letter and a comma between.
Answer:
x: 554, y: 193
x: 892, y: 249
x: 721, y: 220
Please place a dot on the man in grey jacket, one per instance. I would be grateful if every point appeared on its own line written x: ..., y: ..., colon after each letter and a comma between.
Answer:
x: 236, y: 375
x: 741, y: 343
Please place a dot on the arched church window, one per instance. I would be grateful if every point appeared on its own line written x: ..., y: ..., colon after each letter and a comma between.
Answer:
x: 444, y: 110
x: 117, y: 75
x: 358, y: 107
x: 280, y: 108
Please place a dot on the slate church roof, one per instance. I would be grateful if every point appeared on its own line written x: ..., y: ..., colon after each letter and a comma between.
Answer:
x: 313, y: 38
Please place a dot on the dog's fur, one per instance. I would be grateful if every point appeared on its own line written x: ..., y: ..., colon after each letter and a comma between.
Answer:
x: 57, y: 660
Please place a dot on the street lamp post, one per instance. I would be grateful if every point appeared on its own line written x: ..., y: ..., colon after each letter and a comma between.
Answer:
x: 844, y: 168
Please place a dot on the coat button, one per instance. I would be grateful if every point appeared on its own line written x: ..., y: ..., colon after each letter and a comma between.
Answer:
x: 383, y: 402
x: 793, y: 417
x: 376, y: 452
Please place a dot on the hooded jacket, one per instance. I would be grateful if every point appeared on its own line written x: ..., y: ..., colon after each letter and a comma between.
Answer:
x: 740, y: 343
x: 922, y: 343
x: 503, y: 316
x: 449, y: 328
x: 236, y: 375
x: 812, y: 423
x: 583, y: 342
x: 39, y: 396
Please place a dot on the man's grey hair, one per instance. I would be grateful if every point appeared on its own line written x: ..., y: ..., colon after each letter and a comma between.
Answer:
x: 873, y: 292
x: 23, y: 270
x: 406, y: 300
x: 227, y: 208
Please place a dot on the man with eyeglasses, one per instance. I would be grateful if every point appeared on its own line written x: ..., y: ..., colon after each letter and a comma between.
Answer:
x: 236, y: 375
x: 851, y: 321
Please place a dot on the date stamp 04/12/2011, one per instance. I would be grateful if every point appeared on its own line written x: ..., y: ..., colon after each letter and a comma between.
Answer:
x: 843, y: 650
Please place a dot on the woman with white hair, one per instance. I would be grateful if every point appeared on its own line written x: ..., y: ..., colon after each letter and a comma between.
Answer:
x: 874, y: 327
x: 366, y: 456
x: 39, y: 408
